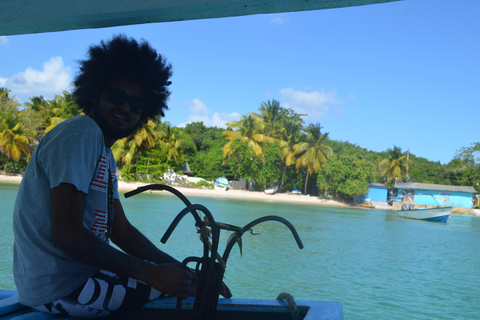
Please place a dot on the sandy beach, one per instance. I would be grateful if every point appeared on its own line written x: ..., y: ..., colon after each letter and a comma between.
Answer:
x: 241, y: 194
x: 233, y: 194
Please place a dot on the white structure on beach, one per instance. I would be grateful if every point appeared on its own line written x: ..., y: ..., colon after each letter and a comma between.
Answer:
x: 174, y: 179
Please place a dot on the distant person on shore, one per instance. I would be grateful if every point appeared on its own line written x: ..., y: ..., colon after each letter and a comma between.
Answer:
x: 68, y: 208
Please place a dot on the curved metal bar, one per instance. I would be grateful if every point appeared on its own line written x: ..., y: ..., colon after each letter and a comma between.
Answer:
x: 179, y: 217
x: 260, y: 220
x: 211, y: 222
x: 163, y: 187
x: 215, y: 237
x: 187, y: 260
x: 279, y: 219
x: 198, y: 261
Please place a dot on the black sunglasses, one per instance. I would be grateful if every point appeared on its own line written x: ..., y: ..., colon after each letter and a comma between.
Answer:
x: 118, y: 97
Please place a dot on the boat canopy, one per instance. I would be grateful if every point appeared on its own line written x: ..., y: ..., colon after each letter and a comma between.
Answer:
x: 26, y: 16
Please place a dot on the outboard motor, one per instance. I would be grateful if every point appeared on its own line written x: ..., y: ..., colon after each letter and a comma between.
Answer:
x: 411, y: 207
x: 404, y: 207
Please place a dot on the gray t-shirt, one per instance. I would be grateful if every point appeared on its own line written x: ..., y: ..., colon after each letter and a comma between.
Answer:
x: 73, y: 152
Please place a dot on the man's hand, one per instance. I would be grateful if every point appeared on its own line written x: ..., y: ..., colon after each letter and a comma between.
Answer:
x: 171, y: 278
x: 224, y: 290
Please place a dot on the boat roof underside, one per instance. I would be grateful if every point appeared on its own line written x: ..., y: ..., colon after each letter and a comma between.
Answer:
x: 26, y: 16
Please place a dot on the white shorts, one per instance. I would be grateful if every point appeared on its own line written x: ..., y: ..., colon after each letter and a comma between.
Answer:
x: 104, y: 294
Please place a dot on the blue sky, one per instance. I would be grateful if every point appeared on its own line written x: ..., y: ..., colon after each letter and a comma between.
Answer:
x: 405, y: 73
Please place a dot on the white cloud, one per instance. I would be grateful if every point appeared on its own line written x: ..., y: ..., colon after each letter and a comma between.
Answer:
x: 200, y: 112
x: 4, y: 41
x: 52, y: 80
x: 198, y: 108
x: 315, y: 104
x: 3, y: 81
x: 278, y: 19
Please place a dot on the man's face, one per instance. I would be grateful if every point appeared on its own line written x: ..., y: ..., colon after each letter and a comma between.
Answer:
x: 117, y: 120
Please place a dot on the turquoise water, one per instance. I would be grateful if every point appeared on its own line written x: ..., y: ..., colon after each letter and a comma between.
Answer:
x: 376, y: 264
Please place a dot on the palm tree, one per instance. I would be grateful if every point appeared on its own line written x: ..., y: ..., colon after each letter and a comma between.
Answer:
x: 249, y: 130
x: 144, y: 138
x: 312, y: 153
x: 60, y: 109
x: 271, y: 115
x: 394, y: 165
x: 289, y: 136
x: 14, y: 138
x: 8, y: 104
x: 124, y: 150
x: 36, y: 116
x: 171, y: 140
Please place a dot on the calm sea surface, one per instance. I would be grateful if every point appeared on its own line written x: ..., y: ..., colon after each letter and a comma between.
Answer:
x: 377, y: 265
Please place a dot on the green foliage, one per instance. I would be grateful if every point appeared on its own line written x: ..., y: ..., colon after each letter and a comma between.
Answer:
x: 271, y: 169
x: 128, y: 172
x: 394, y: 166
x: 243, y: 161
x: 464, y: 169
x: 345, y: 177
x: 188, y: 148
x: 273, y: 146
x: 347, y: 148
x: 202, y: 184
x: 15, y: 138
x: 294, y: 180
x: 151, y: 165
x: 202, y: 147
x: 208, y: 163
x: 425, y: 171
x: 203, y: 137
x: 311, y: 151
x: 8, y: 103
x: 10, y: 166
x: 264, y: 171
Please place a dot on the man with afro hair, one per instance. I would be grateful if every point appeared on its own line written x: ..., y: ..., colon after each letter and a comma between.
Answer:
x: 68, y: 209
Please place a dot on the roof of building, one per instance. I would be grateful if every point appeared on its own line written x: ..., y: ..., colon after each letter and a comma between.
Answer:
x: 186, y: 169
x: 377, y: 185
x: 431, y: 186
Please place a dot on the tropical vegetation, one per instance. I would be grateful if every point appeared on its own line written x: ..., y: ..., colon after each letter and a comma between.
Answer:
x: 270, y: 147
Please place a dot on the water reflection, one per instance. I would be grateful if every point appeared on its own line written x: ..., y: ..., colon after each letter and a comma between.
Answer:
x: 376, y: 264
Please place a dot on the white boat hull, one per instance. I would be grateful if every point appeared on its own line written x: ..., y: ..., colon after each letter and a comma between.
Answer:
x: 221, y: 184
x: 434, y: 214
x: 271, y: 190
x: 220, y: 188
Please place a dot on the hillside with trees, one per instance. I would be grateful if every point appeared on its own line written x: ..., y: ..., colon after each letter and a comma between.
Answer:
x: 271, y: 146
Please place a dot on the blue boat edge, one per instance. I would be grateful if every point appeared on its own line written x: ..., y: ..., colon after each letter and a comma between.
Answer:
x: 11, y: 309
x: 439, y: 218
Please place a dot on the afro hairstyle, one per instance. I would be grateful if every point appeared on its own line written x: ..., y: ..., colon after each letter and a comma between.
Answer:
x: 124, y: 57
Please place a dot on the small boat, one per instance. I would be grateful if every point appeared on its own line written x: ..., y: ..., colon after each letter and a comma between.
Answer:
x: 11, y: 309
x: 221, y: 184
x: 272, y: 189
x: 296, y: 192
x: 430, y: 214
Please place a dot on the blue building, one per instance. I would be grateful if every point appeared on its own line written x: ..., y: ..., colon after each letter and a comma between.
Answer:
x: 376, y: 192
x: 436, y: 194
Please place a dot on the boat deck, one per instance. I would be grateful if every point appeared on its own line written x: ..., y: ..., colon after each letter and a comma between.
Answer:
x: 234, y: 309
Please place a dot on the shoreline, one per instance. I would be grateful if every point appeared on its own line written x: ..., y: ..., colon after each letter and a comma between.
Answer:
x: 229, y: 194
x: 239, y: 194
